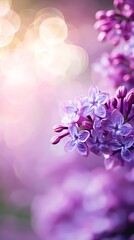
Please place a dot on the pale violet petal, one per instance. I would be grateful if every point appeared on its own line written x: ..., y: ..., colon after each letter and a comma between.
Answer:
x: 83, y: 135
x: 117, y: 118
x: 125, y: 129
x: 126, y: 155
x: 102, y: 98
x: 128, y: 141
x: 73, y: 130
x: 100, y: 111
x: 109, y: 163
x: 70, y: 145
x: 93, y: 92
x: 82, y: 148
x: 87, y: 110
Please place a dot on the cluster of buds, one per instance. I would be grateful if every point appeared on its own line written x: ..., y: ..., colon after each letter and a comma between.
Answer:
x: 100, y: 124
x: 118, y: 24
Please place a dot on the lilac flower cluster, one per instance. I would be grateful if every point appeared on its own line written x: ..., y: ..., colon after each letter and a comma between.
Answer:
x: 100, y: 124
x: 87, y: 205
x: 118, y: 68
x: 117, y: 24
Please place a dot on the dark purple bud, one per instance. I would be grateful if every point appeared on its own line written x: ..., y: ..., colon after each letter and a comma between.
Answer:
x: 114, y: 102
x: 118, y: 3
x: 130, y: 97
x: 121, y: 92
x: 107, y: 104
x: 55, y: 140
x: 87, y: 125
x: 59, y: 128
x: 100, y: 15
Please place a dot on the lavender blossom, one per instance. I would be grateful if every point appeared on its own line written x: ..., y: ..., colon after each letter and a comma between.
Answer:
x: 77, y: 139
x: 116, y: 124
x: 118, y: 24
x: 87, y: 205
x: 105, y: 126
x: 95, y: 103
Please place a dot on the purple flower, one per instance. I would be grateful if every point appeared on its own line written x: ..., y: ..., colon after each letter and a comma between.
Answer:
x: 73, y: 109
x: 78, y: 139
x: 95, y: 103
x: 123, y: 144
x: 116, y: 125
x: 106, y: 126
x: 99, y: 143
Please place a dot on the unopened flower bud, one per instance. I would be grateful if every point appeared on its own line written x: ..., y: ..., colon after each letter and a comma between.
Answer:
x: 121, y: 92
x: 130, y: 97
x: 59, y: 128
x: 114, y: 102
x: 55, y: 140
x: 87, y: 125
x: 100, y: 15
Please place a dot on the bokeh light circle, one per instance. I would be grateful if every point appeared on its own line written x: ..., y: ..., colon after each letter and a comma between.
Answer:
x: 53, y: 31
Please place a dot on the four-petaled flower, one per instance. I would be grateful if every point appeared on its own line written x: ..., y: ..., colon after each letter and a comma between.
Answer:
x: 95, y: 103
x: 78, y: 139
x: 73, y: 109
x: 123, y: 144
x: 115, y: 124
x: 98, y: 142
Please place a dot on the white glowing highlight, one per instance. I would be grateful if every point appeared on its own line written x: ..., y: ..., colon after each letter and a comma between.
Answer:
x: 42, y: 57
x: 53, y: 31
x: 4, y: 7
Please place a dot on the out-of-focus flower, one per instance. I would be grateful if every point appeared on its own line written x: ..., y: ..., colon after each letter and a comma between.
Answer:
x: 118, y: 24
x: 96, y: 205
x: 126, y: 7
x: 117, y: 68
x: 109, y: 130
x: 15, y: 229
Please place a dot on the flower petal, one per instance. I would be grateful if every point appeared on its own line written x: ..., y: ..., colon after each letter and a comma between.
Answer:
x: 73, y: 130
x: 107, y: 125
x: 82, y: 148
x: 68, y: 107
x: 87, y: 110
x: 128, y: 141
x: 83, y: 135
x: 93, y: 92
x: 117, y: 118
x: 126, y: 155
x: 85, y: 101
x: 70, y: 145
x: 109, y: 163
x: 105, y: 149
x: 102, y: 98
x: 115, y: 146
x: 125, y: 129
x: 100, y: 111
x: 95, y: 149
